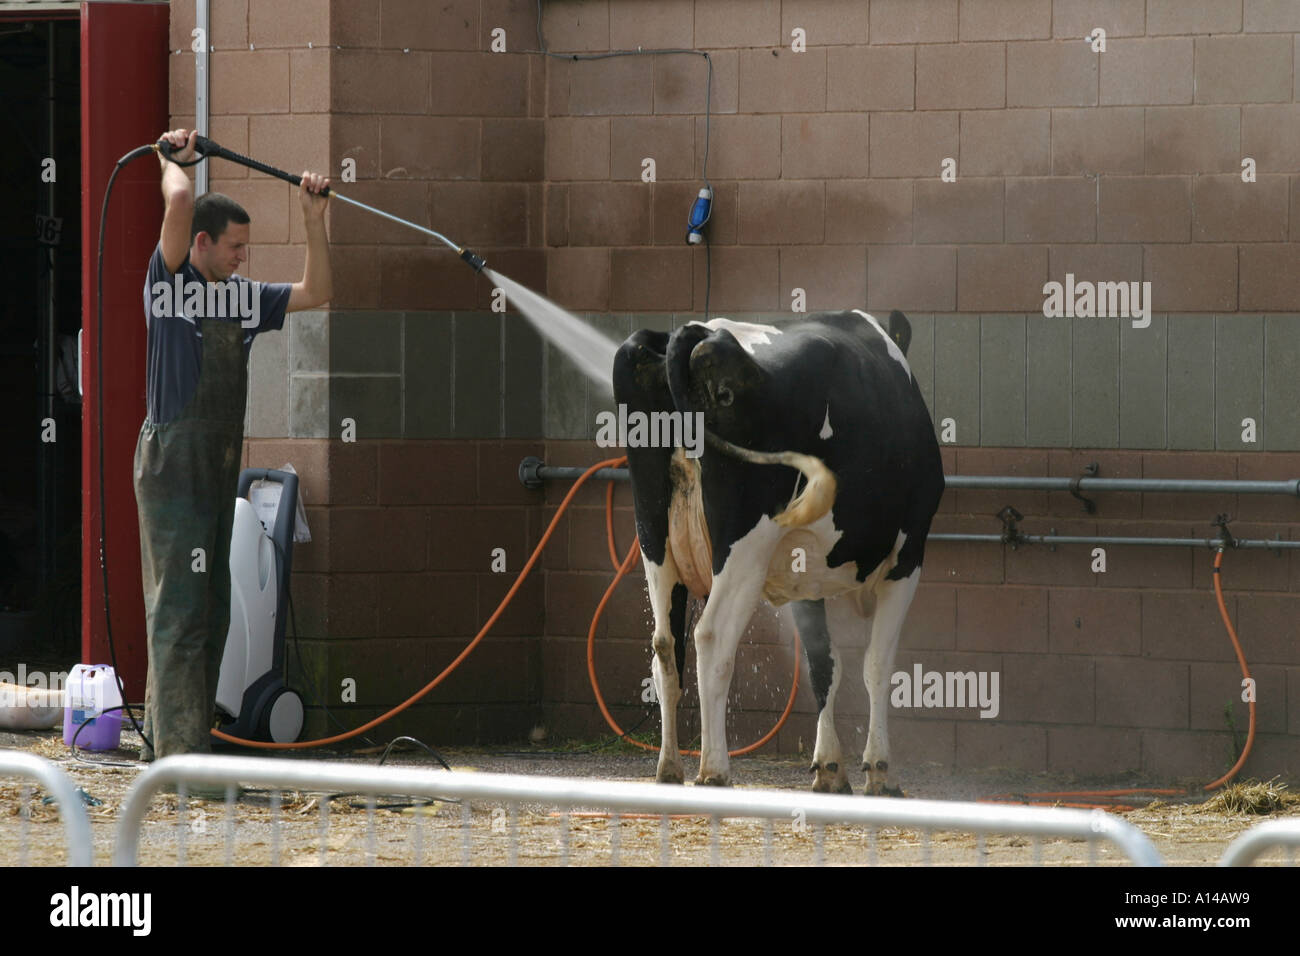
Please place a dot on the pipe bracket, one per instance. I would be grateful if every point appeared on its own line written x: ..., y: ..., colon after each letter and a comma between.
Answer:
x: 1221, y: 522
x: 1010, y: 533
x: 1089, y: 471
x: 530, y: 473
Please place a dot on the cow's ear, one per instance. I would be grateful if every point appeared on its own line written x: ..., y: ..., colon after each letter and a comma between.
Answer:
x: 900, y: 330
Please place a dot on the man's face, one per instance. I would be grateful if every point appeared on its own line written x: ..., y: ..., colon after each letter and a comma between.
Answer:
x: 219, y: 260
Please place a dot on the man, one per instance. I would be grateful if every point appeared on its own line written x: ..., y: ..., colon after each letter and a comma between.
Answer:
x: 202, y: 319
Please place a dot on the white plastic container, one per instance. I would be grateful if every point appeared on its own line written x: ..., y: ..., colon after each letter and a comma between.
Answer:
x: 93, y: 689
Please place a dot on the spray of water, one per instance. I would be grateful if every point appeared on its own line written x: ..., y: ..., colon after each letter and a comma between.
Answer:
x: 587, y: 348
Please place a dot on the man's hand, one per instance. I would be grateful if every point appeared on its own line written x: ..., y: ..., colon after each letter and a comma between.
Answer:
x: 315, y: 288
x: 178, y: 193
x: 182, y: 142
x: 313, y: 204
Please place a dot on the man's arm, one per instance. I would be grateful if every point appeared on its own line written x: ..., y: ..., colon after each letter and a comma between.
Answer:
x: 316, y: 285
x: 178, y: 193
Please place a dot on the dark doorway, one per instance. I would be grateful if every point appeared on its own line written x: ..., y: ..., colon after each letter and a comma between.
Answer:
x: 40, y: 315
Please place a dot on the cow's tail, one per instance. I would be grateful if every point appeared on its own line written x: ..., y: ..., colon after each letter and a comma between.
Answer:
x: 818, y: 494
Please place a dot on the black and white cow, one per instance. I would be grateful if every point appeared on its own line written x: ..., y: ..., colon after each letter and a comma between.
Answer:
x: 817, y: 439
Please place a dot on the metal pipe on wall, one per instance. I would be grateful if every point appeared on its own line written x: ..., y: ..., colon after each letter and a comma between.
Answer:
x: 1290, y: 486
x: 1054, y: 539
x: 201, y: 90
x: 533, y: 473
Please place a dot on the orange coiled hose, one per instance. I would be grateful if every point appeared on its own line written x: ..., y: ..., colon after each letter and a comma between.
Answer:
x: 627, y: 564
x: 505, y: 602
x: 633, y: 554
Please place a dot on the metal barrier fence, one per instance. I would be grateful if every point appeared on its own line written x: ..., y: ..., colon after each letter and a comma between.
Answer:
x: 76, y: 825
x: 1259, y: 838
x: 625, y: 806
x: 630, y: 814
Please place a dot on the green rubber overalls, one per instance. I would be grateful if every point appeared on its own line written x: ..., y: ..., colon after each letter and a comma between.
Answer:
x: 186, y: 476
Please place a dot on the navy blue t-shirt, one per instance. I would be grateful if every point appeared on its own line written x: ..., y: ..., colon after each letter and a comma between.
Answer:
x: 175, y: 339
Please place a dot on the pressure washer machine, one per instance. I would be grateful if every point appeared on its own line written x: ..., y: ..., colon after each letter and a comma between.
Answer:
x: 251, y: 690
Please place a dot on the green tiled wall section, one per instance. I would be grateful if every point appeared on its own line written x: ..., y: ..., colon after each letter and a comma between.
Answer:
x: 1185, y: 382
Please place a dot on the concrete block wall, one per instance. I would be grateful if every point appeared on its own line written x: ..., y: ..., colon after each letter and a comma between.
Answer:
x: 1115, y: 166
x: 1123, y: 165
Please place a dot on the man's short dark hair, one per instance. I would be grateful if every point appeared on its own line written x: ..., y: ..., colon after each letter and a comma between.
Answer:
x: 213, y: 212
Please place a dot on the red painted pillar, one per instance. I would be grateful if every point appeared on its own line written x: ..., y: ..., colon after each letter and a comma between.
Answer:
x: 124, y: 104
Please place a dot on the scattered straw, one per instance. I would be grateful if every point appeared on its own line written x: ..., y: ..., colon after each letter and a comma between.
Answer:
x: 1251, y: 796
x: 11, y: 804
x: 51, y: 748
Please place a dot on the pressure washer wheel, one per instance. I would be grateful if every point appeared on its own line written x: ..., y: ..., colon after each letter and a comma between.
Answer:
x: 278, y: 715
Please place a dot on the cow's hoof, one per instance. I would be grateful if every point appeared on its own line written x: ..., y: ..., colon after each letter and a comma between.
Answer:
x: 830, y: 778
x: 878, y: 781
x: 832, y: 786
x: 880, y: 790
x: 712, y: 780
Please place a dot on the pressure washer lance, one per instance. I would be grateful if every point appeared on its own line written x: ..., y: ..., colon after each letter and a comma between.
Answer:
x: 207, y: 149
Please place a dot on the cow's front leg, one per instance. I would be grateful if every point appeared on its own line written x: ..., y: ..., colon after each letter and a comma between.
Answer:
x: 893, y: 598
x: 730, y: 606
x: 668, y: 602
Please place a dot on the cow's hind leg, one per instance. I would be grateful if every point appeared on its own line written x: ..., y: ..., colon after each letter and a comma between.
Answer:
x: 893, y: 598
x: 668, y: 601
x: 641, y: 385
x: 736, y: 590
x: 824, y: 670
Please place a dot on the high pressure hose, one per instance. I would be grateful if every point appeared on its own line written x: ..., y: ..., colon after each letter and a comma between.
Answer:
x: 1245, y: 674
x: 633, y: 554
x: 469, y: 648
x: 99, y: 412
x: 205, y: 148
x: 623, y: 568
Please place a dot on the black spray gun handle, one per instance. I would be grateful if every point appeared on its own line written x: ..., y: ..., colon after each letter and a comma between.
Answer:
x: 207, y: 149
